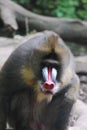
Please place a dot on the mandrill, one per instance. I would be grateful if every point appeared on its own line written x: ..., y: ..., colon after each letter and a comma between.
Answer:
x: 38, y: 85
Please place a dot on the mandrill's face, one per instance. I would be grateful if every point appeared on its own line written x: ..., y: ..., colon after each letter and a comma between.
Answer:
x: 50, y: 73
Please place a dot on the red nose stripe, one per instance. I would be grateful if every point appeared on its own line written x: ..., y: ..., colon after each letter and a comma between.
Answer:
x: 50, y: 74
x: 49, y: 84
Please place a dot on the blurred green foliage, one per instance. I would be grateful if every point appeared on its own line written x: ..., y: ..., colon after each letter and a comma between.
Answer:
x: 58, y: 8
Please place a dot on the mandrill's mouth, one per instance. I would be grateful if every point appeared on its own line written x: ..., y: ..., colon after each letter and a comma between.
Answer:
x: 52, y: 91
x: 46, y: 92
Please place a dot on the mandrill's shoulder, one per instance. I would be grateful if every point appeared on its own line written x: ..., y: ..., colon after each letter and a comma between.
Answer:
x: 73, y: 92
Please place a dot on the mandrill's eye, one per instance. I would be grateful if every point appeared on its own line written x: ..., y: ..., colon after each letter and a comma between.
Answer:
x: 54, y: 74
x: 49, y: 73
x: 45, y: 73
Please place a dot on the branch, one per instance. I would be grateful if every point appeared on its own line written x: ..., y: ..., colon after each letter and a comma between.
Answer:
x: 68, y: 29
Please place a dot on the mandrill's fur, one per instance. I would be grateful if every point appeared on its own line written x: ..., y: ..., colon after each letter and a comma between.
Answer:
x: 22, y: 103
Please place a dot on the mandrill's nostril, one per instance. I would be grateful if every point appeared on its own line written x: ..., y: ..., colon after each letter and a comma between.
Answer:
x: 48, y: 85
